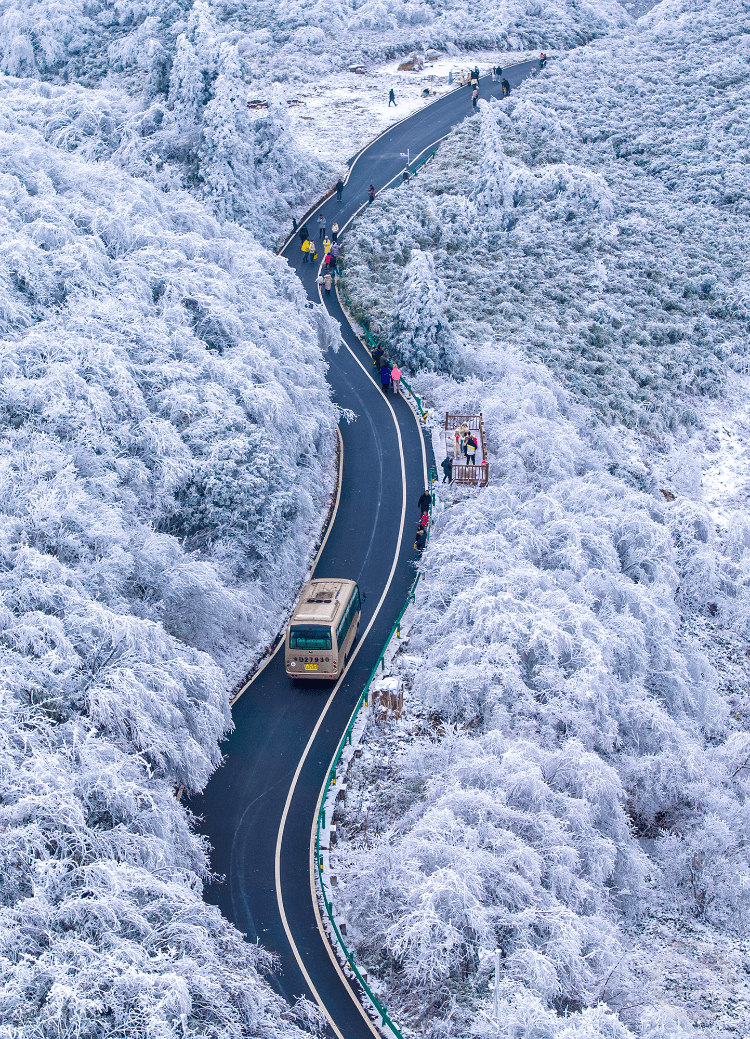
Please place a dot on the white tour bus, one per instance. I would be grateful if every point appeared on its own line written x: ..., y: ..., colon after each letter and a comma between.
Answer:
x: 323, y: 629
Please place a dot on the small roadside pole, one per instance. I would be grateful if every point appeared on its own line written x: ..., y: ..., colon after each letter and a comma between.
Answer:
x: 496, y: 1000
x: 405, y: 155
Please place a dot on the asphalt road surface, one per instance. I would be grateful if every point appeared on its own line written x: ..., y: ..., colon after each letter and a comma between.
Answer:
x: 371, y: 541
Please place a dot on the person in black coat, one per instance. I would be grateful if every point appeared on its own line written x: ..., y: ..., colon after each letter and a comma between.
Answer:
x: 447, y: 467
x: 424, y: 502
x: 385, y: 376
x: 377, y: 356
x: 304, y: 233
x: 421, y: 539
x: 506, y: 88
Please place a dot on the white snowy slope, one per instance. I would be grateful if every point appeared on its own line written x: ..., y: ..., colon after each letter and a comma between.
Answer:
x: 570, y: 783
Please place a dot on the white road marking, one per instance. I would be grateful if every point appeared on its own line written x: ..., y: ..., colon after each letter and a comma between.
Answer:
x: 290, y: 794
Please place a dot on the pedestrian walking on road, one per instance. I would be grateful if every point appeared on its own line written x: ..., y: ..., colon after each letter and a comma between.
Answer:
x: 327, y: 282
x: 334, y: 230
x: 395, y: 379
x: 371, y: 193
x: 322, y: 226
x: 385, y: 376
x: 326, y: 245
x: 295, y: 225
x: 506, y: 88
x: 424, y: 520
x: 425, y: 501
x: 391, y: 98
x: 306, y: 250
x: 304, y: 233
x: 339, y: 189
x: 377, y: 356
x: 447, y: 467
x: 405, y: 176
x: 335, y: 249
x: 421, y: 539
x: 319, y: 282
x: 474, y: 97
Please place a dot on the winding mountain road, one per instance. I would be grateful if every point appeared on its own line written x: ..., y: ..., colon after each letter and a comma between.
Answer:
x: 258, y: 809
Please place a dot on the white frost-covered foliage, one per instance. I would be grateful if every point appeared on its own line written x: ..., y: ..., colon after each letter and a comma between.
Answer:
x: 420, y: 332
x: 167, y: 441
x: 597, y: 219
x: 165, y: 95
x: 103, y: 930
x: 573, y: 786
x: 162, y: 384
x: 284, y: 41
x: 565, y: 722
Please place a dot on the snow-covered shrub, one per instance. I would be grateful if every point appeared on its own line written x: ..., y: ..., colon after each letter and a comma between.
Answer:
x: 583, y: 220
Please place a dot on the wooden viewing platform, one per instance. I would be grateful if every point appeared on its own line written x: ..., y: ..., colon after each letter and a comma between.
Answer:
x: 477, y: 475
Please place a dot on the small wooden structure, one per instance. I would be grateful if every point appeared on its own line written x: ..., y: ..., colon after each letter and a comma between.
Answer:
x: 477, y: 475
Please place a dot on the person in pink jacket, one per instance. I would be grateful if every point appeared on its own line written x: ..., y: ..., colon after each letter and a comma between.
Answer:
x: 395, y: 378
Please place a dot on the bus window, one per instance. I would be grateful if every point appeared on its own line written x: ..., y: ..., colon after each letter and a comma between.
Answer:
x: 310, y: 636
x: 349, y: 613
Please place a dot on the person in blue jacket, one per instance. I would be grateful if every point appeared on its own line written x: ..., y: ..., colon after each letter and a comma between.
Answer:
x: 385, y: 376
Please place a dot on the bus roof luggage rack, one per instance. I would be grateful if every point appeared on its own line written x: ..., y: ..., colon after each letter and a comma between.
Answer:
x: 477, y: 475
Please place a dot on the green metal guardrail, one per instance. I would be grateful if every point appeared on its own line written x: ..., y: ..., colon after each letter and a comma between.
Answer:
x: 373, y: 343
x: 421, y: 165
x: 346, y: 739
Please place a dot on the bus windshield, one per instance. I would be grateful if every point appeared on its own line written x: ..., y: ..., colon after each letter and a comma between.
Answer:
x: 310, y: 636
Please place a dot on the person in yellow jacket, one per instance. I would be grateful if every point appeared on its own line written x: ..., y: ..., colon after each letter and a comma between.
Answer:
x: 326, y: 245
x: 306, y: 250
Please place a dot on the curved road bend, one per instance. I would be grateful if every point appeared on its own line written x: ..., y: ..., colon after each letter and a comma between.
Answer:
x: 243, y: 804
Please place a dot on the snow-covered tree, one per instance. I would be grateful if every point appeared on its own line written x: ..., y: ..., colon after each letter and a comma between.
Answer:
x: 420, y: 333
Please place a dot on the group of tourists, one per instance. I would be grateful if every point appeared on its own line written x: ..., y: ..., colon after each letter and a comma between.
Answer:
x: 425, y: 501
x: 330, y: 247
x: 465, y: 443
x: 390, y: 374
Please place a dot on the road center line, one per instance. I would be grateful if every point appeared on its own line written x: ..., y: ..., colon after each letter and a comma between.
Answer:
x: 313, y: 735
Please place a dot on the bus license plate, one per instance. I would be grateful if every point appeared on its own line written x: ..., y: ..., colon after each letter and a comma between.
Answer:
x: 311, y: 667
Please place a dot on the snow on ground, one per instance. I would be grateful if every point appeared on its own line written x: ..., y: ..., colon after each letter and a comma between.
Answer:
x: 338, y: 115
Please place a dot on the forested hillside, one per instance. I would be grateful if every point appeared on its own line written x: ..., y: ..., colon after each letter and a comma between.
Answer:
x: 167, y: 461
x: 570, y: 784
